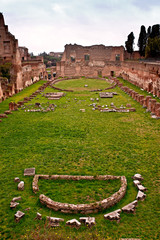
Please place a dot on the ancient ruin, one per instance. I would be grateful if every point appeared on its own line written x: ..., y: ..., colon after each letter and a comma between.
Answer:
x: 22, y: 70
x: 100, y: 60
x: 81, y: 208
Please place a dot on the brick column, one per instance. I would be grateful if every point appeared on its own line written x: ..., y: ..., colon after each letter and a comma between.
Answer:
x: 153, y: 102
x: 147, y: 101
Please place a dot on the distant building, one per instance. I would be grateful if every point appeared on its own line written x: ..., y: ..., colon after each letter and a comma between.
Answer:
x: 56, y: 54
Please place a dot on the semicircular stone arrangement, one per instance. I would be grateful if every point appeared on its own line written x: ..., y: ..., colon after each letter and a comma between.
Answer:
x: 81, y: 208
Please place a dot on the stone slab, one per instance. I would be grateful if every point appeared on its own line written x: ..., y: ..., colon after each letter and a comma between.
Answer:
x: 88, y: 221
x: 18, y: 215
x: 21, y: 186
x: 73, y: 223
x: 29, y: 172
x: 15, y: 199
x: 141, y: 196
x: 115, y: 215
x: 130, y: 208
x: 137, y: 176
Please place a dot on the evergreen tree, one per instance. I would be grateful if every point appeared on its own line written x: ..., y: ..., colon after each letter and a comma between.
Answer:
x: 142, y: 40
x: 129, y: 43
x: 148, y: 31
x: 153, y: 47
x: 155, y: 31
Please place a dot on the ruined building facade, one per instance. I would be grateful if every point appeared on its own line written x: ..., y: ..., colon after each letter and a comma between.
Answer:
x: 23, y: 70
x: 100, y: 60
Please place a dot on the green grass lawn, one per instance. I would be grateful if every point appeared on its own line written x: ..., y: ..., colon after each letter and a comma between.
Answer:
x: 68, y: 141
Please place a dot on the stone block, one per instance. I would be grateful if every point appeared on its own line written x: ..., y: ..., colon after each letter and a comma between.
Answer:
x: 113, y: 215
x: 21, y: 186
x: 8, y: 112
x: 131, y: 207
x: 141, y: 188
x: 141, y: 196
x: 29, y: 172
x: 39, y: 216
x: 15, y: 199
x: 88, y: 221
x: 54, y: 219
x: 137, y: 176
x: 136, y: 182
x: 3, y: 115
x: 13, y: 204
x: 17, y: 179
x: 19, y: 215
x: 73, y: 223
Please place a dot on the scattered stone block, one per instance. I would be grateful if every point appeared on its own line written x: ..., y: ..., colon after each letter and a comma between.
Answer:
x: 15, y: 199
x: 113, y: 215
x: 136, y: 182
x: 17, y: 179
x: 18, y: 215
x: 131, y: 207
x: 8, y: 112
x: 39, y: 216
x: 106, y: 95
x: 21, y: 186
x: 132, y: 109
x: 128, y: 105
x: 3, y: 115
x: 29, y: 172
x: 73, y: 223
x: 88, y: 221
x: 54, y: 222
x: 137, y: 176
x: 129, y: 239
x: 27, y: 209
x: 141, y: 196
x: 82, y: 110
x: 141, y: 188
x: 13, y: 204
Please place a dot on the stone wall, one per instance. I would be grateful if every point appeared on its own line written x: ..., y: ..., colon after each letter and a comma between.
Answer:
x: 81, y: 208
x: 87, y: 61
x: 143, y: 74
x: 100, y: 60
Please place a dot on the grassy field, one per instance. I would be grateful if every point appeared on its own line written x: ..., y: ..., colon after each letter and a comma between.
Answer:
x: 68, y: 141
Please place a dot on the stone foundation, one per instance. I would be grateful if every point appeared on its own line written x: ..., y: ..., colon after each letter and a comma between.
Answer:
x: 81, y: 208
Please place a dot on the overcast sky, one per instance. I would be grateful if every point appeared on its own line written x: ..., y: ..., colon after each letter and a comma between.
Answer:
x: 47, y: 25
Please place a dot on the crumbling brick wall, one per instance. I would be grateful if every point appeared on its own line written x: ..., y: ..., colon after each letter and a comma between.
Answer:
x: 24, y: 70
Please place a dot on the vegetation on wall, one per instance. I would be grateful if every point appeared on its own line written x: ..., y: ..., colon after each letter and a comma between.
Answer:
x: 49, y: 60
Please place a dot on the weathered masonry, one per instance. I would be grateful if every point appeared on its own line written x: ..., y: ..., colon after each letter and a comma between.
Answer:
x: 99, y: 60
x: 21, y: 69
x: 88, y: 61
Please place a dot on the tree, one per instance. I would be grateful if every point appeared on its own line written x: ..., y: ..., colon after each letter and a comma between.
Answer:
x: 153, y: 47
x: 129, y: 43
x: 155, y: 31
x: 148, y: 31
x: 142, y: 40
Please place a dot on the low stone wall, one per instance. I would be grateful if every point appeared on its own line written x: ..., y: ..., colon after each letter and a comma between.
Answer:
x: 81, y: 208
x: 147, y: 102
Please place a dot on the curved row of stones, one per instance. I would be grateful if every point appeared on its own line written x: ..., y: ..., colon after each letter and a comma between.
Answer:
x: 131, y: 207
x: 81, y: 208
x: 88, y: 221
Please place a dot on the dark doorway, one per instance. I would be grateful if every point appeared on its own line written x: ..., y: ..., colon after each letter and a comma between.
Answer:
x: 112, y: 73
